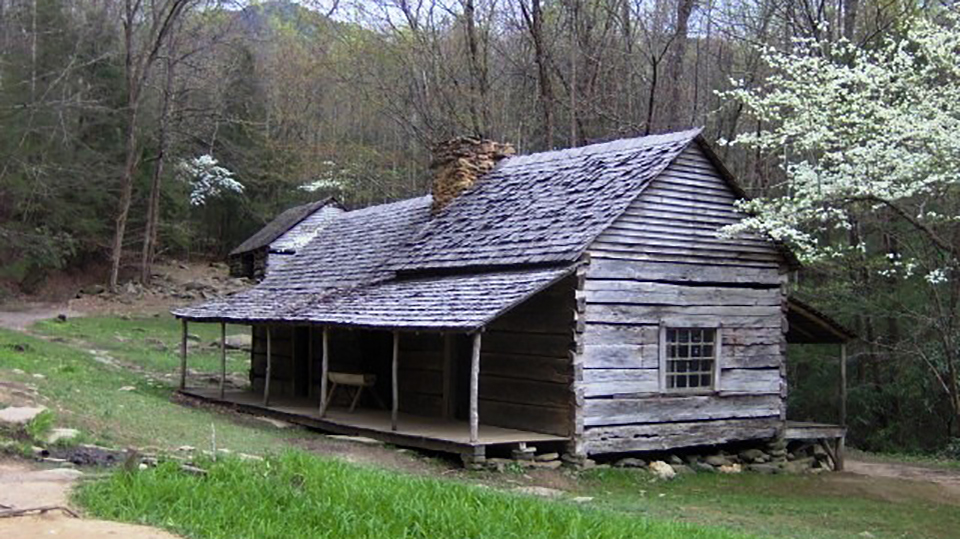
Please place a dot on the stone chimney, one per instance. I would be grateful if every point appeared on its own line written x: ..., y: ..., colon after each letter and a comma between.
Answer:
x: 459, y: 163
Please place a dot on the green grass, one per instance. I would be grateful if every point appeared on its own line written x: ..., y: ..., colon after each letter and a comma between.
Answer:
x: 135, y: 340
x: 824, y: 506
x: 85, y: 394
x: 298, y: 495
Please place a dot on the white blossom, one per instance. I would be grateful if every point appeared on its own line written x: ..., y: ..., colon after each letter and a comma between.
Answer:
x: 207, y: 179
x: 858, y: 131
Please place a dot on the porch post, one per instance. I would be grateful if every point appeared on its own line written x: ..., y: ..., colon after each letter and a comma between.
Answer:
x: 223, y: 358
x: 842, y: 442
x: 266, y: 382
x: 475, y: 389
x: 310, y: 361
x: 183, y: 354
x: 396, y: 388
x: 324, y: 367
x: 448, y: 366
x: 843, y: 384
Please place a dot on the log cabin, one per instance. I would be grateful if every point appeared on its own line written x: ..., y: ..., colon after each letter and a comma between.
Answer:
x: 579, y: 299
x: 271, y: 246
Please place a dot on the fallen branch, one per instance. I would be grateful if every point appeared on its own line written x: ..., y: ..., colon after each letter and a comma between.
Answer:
x: 10, y: 513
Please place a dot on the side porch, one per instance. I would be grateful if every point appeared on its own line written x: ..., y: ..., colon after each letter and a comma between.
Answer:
x: 502, y: 387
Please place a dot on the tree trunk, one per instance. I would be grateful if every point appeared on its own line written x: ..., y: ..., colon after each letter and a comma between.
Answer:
x: 479, y: 115
x: 675, y: 108
x: 153, y: 205
x: 534, y: 19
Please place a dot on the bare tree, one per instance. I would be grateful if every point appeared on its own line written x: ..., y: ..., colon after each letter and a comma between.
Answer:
x: 146, y: 26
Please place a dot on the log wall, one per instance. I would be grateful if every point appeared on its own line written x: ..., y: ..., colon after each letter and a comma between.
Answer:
x: 663, y: 263
x: 525, y: 367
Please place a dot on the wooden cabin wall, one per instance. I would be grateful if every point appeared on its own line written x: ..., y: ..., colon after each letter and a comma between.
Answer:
x: 661, y: 262
x: 420, y: 374
x: 525, y: 367
x: 282, y: 370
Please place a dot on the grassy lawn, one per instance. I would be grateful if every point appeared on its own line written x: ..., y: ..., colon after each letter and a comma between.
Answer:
x: 298, y: 496
x: 152, y: 342
x: 823, y: 506
x: 86, y: 394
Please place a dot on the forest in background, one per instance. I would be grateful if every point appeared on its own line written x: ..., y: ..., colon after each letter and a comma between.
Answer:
x: 134, y: 129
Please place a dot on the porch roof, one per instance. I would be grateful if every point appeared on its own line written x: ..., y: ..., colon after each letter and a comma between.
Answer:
x: 455, y: 302
x: 807, y: 325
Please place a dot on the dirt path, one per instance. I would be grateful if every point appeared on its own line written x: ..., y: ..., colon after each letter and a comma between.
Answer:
x: 19, y: 318
x: 22, y: 486
x: 947, y: 478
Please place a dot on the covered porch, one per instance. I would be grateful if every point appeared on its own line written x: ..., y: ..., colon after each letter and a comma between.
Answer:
x: 806, y: 325
x: 492, y: 378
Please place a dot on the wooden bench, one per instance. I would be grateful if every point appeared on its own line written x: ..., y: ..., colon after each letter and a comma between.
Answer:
x: 359, y: 381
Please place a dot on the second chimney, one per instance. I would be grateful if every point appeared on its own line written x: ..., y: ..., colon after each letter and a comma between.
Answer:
x: 459, y: 163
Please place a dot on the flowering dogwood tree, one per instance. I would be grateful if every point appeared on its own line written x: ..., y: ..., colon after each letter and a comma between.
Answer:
x: 207, y: 179
x: 871, y: 135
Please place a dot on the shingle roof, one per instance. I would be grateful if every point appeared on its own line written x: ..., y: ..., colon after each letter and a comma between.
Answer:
x: 464, y: 302
x: 280, y: 224
x: 544, y: 207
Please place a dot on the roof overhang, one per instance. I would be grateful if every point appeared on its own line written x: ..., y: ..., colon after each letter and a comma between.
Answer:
x: 807, y: 325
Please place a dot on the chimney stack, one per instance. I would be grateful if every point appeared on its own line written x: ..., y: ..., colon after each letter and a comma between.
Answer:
x: 459, y: 163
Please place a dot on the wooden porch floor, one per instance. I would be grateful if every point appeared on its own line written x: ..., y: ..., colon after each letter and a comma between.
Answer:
x: 802, y: 430
x: 412, y: 430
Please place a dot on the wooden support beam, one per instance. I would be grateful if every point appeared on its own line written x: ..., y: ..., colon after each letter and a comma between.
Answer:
x: 475, y: 389
x: 223, y: 359
x: 183, y: 355
x: 396, y: 386
x: 843, y: 385
x: 449, y: 402
x: 324, y: 368
x: 310, y: 392
x: 266, y: 382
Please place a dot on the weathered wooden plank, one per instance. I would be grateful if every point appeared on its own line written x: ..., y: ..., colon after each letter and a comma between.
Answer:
x: 751, y: 356
x: 685, y: 232
x: 423, y: 360
x: 609, y: 382
x: 419, y: 381
x: 672, y: 409
x: 626, y: 291
x: 684, y: 246
x: 644, y: 257
x: 752, y: 336
x: 526, y: 367
x: 752, y: 381
x: 547, y: 419
x: 620, y: 356
x: 728, y: 316
x: 676, y: 182
x: 637, y: 251
x: 520, y: 342
x: 663, y: 436
x: 604, y: 334
x: 605, y: 268
x: 524, y: 391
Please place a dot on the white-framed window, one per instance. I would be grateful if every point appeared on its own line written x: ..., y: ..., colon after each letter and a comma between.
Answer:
x: 689, y: 358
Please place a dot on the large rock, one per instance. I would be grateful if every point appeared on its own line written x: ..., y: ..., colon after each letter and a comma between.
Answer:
x: 630, y: 462
x: 753, y: 455
x: 59, y: 434
x: 717, y: 460
x: 662, y: 470
x: 240, y: 341
x: 17, y: 416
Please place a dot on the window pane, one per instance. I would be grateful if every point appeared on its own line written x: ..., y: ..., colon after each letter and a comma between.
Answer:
x: 690, y: 358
